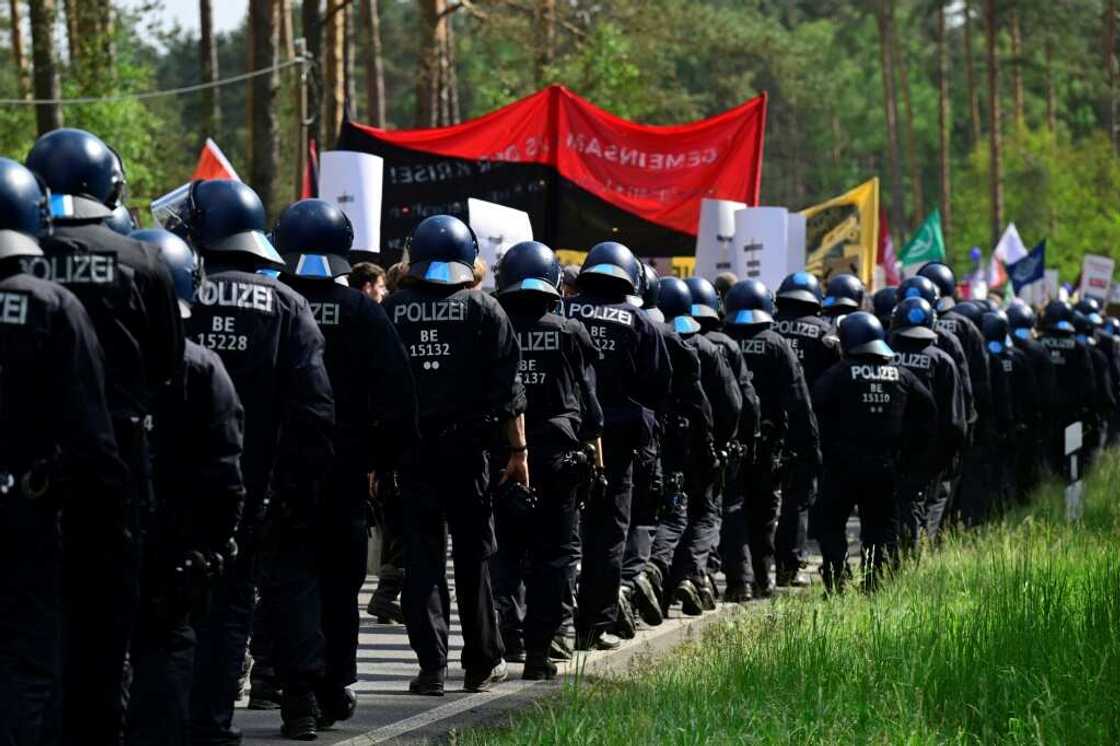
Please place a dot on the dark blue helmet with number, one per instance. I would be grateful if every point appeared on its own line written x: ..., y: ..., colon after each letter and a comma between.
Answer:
x: 747, y: 303
x: 972, y: 311
x: 120, y: 220
x: 705, y: 299
x: 84, y: 175
x: 995, y: 328
x: 801, y: 287
x: 913, y: 319
x: 442, y: 251
x: 942, y: 276
x: 882, y: 304
x: 1020, y: 318
x: 861, y: 333
x: 1057, y: 316
x: 529, y: 267
x: 843, y: 294
x: 23, y: 211
x: 919, y: 287
x: 181, y: 260
x: 675, y: 302
x: 613, y: 265
x: 314, y: 237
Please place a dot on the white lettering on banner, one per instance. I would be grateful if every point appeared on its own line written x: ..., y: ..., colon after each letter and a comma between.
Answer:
x: 430, y: 311
x: 798, y: 329
x: 13, y: 309
x: 634, y: 158
x: 234, y: 294
x: 913, y: 360
x: 326, y: 314
x: 546, y: 341
x: 602, y: 313
x: 73, y: 269
x: 874, y: 373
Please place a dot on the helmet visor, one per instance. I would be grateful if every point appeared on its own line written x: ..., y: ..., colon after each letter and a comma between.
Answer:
x: 747, y: 317
x: 255, y: 243
x: 442, y: 273
x: 685, y: 325
x: 531, y: 285
x: 14, y: 243
x: 874, y: 347
x: 703, y: 312
x: 172, y: 210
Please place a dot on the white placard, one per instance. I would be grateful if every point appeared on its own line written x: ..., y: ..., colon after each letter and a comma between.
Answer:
x: 353, y: 181
x: 497, y: 227
x: 795, y: 243
x: 1096, y: 275
x: 715, y: 237
x: 1073, y: 438
x: 761, y: 244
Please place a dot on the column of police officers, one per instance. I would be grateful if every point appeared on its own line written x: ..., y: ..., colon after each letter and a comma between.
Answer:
x: 200, y: 422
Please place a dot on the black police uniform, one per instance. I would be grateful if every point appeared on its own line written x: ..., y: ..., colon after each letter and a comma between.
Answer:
x: 875, y: 419
x: 811, y: 339
x: 921, y: 505
x: 1110, y: 346
x: 375, y: 421
x: 465, y: 360
x: 196, y: 447
x: 272, y: 348
x: 1105, y: 403
x: 633, y: 375
x: 55, y: 435
x: 130, y: 298
x: 1029, y: 414
x: 563, y: 413
x: 972, y: 344
x: 1029, y: 460
x: 788, y: 434
x: 1074, y: 392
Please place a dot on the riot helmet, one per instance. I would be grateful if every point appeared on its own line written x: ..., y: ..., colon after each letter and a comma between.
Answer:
x: 942, y: 276
x: 85, y: 176
x: 1020, y: 318
x: 675, y: 302
x: 613, y: 267
x: 24, y: 215
x: 913, y: 319
x: 442, y: 251
x: 182, y: 261
x: 882, y: 304
x: 705, y: 299
x: 843, y: 294
x: 529, y: 267
x: 1057, y: 317
x: 861, y: 333
x: 314, y: 237
x: 747, y: 303
x: 800, y: 287
x: 995, y: 328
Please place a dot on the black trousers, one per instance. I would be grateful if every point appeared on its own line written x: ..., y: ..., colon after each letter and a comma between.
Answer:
x: 604, y: 526
x: 162, y: 658
x: 701, y: 532
x: 645, y: 503
x: 343, y: 539
x: 390, y: 578
x: 449, y: 491
x: 531, y: 565
x: 874, y: 492
x: 798, y: 493
x: 749, y: 548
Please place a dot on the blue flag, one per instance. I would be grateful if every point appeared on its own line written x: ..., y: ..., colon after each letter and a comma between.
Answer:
x: 1029, y: 269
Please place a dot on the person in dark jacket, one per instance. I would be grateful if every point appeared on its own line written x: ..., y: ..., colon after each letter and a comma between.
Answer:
x: 1075, y: 382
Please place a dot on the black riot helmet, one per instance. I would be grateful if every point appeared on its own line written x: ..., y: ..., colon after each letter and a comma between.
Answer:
x: 995, y: 328
x: 611, y: 265
x: 1057, y: 317
x: 800, y: 287
x: 182, y: 262
x: 861, y: 333
x: 529, y: 268
x: 23, y: 211
x: 651, y: 291
x: 942, y: 276
x: 442, y: 251
x: 1090, y: 308
x: 919, y: 287
x: 1020, y: 318
x: 747, y: 303
x: 883, y: 302
x: 913, y: 319
x: 675, y: 302
x: 84, y: 175
x: 972, y: 311
x: 705, y: 299
x: 120, y: 220
x: 314, y: 237
x: 988, y: 304
x: 1085, y: 323
x: 843, y: 294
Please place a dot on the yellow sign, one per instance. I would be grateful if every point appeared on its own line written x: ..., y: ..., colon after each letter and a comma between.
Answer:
x: 677, y: 266
x: 842, y: 234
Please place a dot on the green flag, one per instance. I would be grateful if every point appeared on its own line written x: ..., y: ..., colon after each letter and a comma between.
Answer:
x: 927, y: 245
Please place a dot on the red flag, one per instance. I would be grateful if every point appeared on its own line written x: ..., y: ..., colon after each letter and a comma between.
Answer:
x: 213, y: 164
x: 310, y: 186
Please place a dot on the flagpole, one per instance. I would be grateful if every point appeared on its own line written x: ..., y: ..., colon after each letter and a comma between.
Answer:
x: 300, y: 46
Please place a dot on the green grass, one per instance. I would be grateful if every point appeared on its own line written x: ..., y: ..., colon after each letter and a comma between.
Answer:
x: 1010, y: 634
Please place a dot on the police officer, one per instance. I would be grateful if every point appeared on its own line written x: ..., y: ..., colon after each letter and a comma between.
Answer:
x: 875, y: 418
x: 562, y: 418
x: 129, y: 296
x: 914, y: 340
x: 688, y: 573
x: 196, y: 447
x: 1021, y: 322
x: 1086, y: 322
x: 798, y: 320
x: 882, y: 304
x: 465, y: 360
x: 788, y: 423
x: 843, y: 294
x: 1074, y: 392
x: 266, y: 336
x: 375, y: 420
x: 1108, y: 337
x: 634, y: 376
x: 55, y: 431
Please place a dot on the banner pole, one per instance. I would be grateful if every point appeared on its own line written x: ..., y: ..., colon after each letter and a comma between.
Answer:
x: 300, y: 46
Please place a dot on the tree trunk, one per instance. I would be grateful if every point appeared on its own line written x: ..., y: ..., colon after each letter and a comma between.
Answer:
x: 73, y: 38
x: 450, y: 74
x: 1110, y: 65
x: 970, y: 70
x: 995, y: 139
x: 47, y: 116
x: 19, y: 54
x: 1017, y: 68
x: 313, y: 35
x: 944, y: 122
x: 287, y: 35
x: 263, y: 128
x: 898, y: 58
x: 890, y: 104
x: 546, y: 39
x: 375, y: 66
x: 437, y: 100
x: 1051, y: 95
x: 208, y: 63
x: 334, y: 73
x: 348, y: 49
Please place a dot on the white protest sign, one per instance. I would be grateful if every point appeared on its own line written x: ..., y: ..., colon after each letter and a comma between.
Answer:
x: 353, y: 181
x: 715, y: 237
x: 1096, y: 275
x: 761, y: 244
x: 1053, y: 285
x: 795, y: 243
x: 497, y: 227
